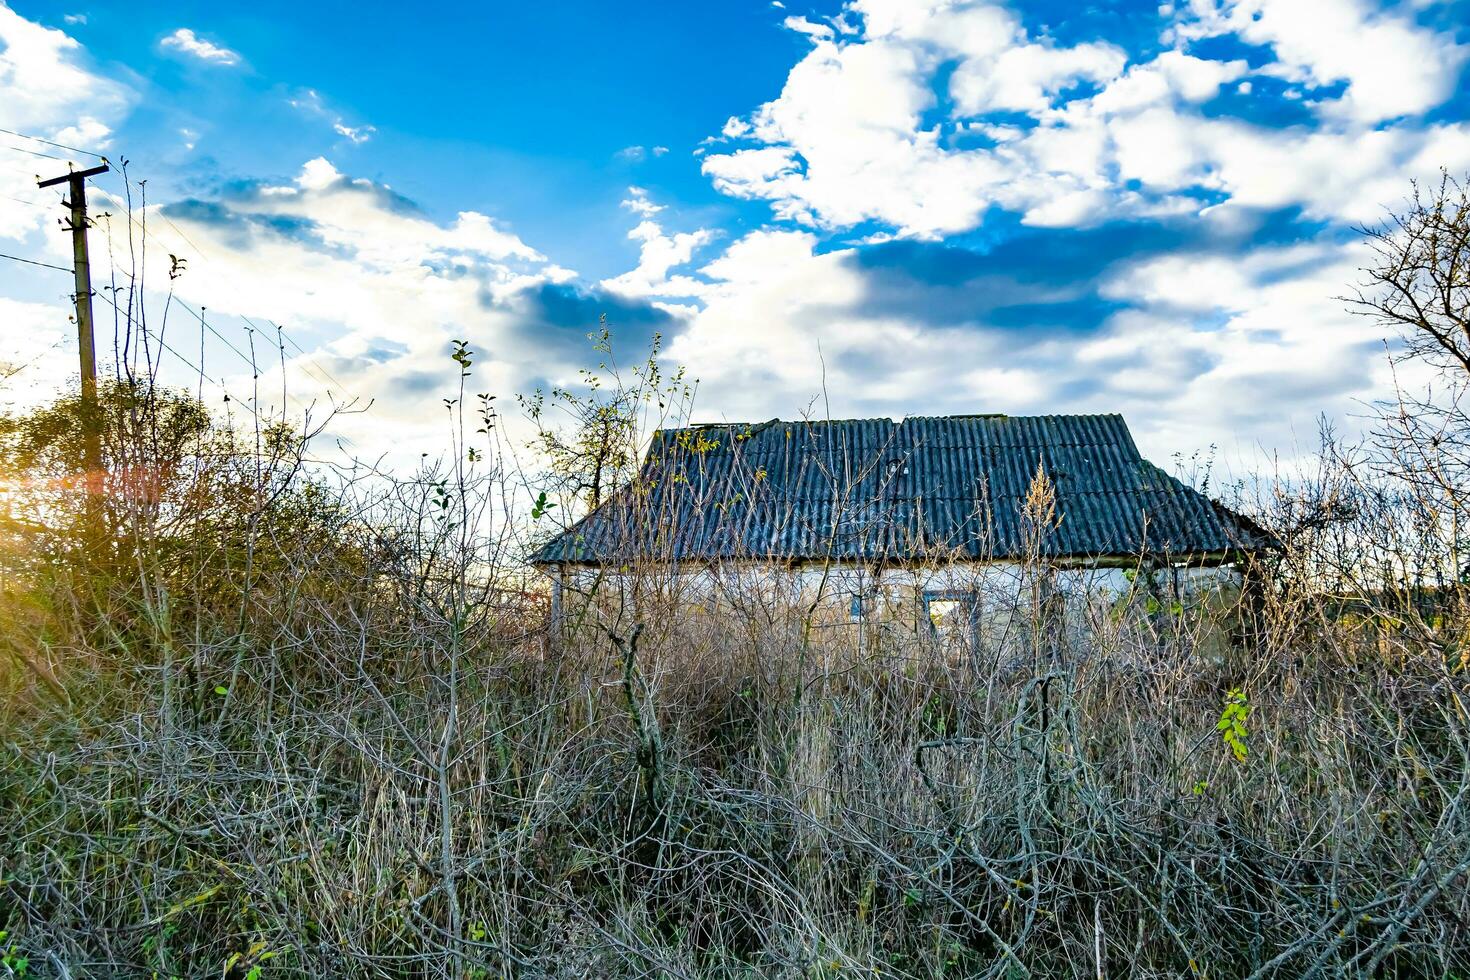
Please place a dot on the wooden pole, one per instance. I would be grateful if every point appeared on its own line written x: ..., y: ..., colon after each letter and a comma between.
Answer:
x: 86, y: 341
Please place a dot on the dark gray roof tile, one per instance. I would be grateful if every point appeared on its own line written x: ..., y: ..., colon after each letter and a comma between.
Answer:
x: 876, y: 490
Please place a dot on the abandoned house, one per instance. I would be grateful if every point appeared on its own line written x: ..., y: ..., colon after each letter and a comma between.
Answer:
x: 944, y: 515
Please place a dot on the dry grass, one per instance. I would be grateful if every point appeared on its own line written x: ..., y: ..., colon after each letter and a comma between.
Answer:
x: 270, y: 737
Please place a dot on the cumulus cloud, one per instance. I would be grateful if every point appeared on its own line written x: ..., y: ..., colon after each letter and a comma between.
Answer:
x: 1194, y: 335
x: 878, y: 127
x: 1392, y: 66
x: 383, y: 288
x: 639, y: 202
x: 185, y: 41
x: 658, y: 254
x: 47, y: 89
x: 1160, y: 248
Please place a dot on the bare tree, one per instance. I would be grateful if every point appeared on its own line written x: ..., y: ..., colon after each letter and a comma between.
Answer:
x: 1419, y: 281
x: 1392, y: 528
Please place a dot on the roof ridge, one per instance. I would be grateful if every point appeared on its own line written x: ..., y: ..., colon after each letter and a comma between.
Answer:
x: 907, y: 418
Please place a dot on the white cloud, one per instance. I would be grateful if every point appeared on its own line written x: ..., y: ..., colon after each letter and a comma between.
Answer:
x: 658, y: 254
x: 1027, y: 77
x: 1392, y: 66
x: 786, y: 328
x: 381, y: 286
x: 354, y: 212
x: 47, y: 90
x: 354, y: 134
x: 1348, y: 177
x: 844, y: 144
x: 1170, y: 77
x: 859, y: 134
x: 310, y: 102
x: 46, y: 82
x: 864, y: 133
x: 186, y: 41
x: 735, y: 128
x: 1207, y: 347
x: 638, y: 153
x: 803, y: 26
x: 33, y: 361
x: 846, y: 141
x: 638, y: 202
x: 755, y: 342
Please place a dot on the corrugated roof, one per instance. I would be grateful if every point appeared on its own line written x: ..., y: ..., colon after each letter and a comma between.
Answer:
x: 878, y: 490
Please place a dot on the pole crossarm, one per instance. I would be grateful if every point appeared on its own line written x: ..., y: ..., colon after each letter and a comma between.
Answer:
x: 74, y: 175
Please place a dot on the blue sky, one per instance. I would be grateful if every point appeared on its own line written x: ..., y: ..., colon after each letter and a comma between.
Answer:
x: 889, y: 206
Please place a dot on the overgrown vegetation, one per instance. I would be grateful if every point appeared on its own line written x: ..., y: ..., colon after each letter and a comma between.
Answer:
x: 262, y: 724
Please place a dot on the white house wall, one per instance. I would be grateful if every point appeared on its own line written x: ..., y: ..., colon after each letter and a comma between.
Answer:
x: 1002, y: 591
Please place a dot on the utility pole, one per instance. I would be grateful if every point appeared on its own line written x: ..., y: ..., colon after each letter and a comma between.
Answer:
x: 86, y: 344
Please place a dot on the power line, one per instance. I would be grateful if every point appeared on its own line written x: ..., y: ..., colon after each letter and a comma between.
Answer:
x: 200, y: 372
x: 281, y: 330
x: 303, y: 352
x: 34, y: 153
x: 321, y: 374
x: 35, y: 360
x: 59, y: 146
x: 111, y: 301
x: 44, y: 265
x: 329, y: 379
x: 21, y: 200
x: 197, y: 314
x: 229, y: 397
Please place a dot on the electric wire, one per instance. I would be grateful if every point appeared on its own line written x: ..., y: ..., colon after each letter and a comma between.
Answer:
x: 34, y: 153
x: 199, y: 371
x: 230, y: 397
x: 329, y: 380
x: 59, y: 146
x: 44, y: 265
x: 35, y: 360
x: 311, y: 367
x: 247, y: 360
x: 196, y: 369
x: 21, y: 200
x: 319, y: 374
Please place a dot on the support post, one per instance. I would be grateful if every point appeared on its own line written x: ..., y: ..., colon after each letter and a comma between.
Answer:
x: 86, y: 342
x: 558, y: 610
